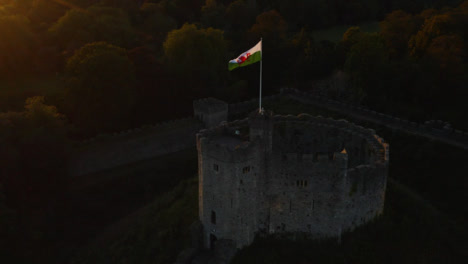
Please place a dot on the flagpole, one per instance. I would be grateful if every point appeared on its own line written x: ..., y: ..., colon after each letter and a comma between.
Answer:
x: 261, y: 59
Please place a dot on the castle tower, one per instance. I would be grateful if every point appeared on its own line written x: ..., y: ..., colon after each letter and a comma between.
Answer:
x: 210, y: 111
x: 284, y: 174
x: 227, y: 184
x: 232, y: 169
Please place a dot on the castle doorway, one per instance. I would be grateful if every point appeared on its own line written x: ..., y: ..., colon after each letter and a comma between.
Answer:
x: 213, y: 239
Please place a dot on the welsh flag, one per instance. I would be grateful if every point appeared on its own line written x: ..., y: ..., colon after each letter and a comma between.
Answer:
x: 251, y: 56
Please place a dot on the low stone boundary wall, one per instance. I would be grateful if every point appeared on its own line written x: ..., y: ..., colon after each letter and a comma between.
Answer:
x: 110, y: 151
x: 434, y: 129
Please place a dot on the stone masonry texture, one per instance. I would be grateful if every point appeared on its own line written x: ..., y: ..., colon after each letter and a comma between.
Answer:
x: 273, y: 174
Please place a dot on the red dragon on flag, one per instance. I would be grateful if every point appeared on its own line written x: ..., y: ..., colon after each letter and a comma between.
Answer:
x: 243, y: 57
x: 250, y: 56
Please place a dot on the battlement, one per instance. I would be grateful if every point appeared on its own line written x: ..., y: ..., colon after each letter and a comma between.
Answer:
x: 210, y: 111
x: 209, y: 104
x: 171, y: 126
x: 284, y: 173
x: 227, y: 141
x: 232, y: 139
x: 378, y: 150
x: 113, y: 150
x: 434, y: 129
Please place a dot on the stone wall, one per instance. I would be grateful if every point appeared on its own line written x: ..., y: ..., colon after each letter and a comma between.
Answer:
x: 210, y: 111
x: 364, y: 195
x: 310, y: 152
x: 433, y: 129
x: 111, y: 151
x: 306, y: 195
x: 306, y: 182
x: 228, y: 191
x: 240, y: 108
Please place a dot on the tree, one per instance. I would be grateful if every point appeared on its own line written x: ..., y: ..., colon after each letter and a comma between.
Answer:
x: 396, y: 29
x: 16, y: 46
x: 73, y: 30
x: 34, y: 148
x: 449, y: 53
x: 213, y: 14
x: 311, y: 14
x: 33, y: 171
x: 183, y: 11
x: 366, y: 63
x: 187, y: 10
x: 46, y: 11
x: 271, y: 26
x: 151, y: 87
x: 352, y: 36
x: 112, y: 25
x: 239, y: 15
x: 197, y: 55
x: 312, y: 60
x: 101, y: 89
x: 433, y: 27
x: 463, y: 6
x: 156, y: 23
x: 444, y: 61
x: 301, y: 46
x: 79, y: 27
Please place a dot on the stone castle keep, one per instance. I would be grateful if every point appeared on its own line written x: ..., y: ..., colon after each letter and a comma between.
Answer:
x: 270, y: 174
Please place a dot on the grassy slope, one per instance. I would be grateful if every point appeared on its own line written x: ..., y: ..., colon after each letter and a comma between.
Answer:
x: 154, y: 234
x: 410, y: 231
x: 105, y: 198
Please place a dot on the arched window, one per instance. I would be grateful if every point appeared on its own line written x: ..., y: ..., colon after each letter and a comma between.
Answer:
x: 213, y: 217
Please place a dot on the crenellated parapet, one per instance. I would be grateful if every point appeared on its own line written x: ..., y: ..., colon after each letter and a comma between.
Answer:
x: 433, y: 129
x: 210, y: 111
x: 228, y: 141
x: 378, y: 149
x: 170, y: 126
x: 119, y: 149
x: 288, y: 174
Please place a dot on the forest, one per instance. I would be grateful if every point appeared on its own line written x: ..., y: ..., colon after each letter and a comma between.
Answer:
x: 74, y: 69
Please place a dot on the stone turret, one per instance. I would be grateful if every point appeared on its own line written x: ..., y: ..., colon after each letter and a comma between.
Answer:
x: 210, y: 111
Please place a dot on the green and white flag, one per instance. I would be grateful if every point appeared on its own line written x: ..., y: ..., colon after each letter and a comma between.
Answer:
x: 251, y: 56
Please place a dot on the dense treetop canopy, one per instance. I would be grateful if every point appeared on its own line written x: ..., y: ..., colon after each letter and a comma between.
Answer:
x: 74, y: 69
